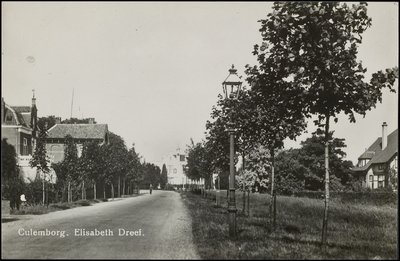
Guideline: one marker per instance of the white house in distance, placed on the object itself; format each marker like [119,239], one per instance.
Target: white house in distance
[175,163]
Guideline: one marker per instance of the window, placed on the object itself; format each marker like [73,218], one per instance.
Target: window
[381,166]
[371,181]
[381,181]
[25,147]
[9,118]
[182,157]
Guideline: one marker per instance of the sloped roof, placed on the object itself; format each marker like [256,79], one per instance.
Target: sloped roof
[27,118]
[15,111]
[25,112]
[367,155]
[78,131]
[381,156]
[22,109]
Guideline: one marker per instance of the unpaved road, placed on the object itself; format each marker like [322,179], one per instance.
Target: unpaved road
[160,225]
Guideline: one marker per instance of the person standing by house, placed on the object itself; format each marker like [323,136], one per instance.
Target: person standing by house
[151,188]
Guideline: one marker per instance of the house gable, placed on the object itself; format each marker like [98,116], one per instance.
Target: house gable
[374,171]
[376,155]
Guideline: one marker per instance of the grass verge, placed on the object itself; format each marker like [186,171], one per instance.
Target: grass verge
[355,231]
[40,209]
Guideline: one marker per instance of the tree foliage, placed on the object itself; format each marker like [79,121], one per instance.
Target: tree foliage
[164,177]
[39,158]
[9,162]
[309,52]
[152,175]
[51,121]
[291,174]
[199,164]
[114,157]
[134,166]
[312,156]
[12,184]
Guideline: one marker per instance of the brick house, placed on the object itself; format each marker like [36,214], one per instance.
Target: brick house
[374,164]
[19,127]
[81,133]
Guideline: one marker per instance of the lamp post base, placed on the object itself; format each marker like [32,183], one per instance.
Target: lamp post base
[232,214]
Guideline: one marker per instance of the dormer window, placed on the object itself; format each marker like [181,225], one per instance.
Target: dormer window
[362,162]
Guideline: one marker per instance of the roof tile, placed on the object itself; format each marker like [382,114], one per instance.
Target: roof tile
[78,131]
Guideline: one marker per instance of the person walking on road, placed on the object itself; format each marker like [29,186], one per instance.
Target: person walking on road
[151,188]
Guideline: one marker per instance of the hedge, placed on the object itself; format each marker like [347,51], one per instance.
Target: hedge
[374,197]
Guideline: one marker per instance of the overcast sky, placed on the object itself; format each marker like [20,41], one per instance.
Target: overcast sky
[153,70]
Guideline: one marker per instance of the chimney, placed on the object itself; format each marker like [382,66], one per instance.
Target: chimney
[91,120]
[58,120]
[384,135]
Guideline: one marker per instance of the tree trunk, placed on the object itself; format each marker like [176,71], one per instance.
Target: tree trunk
[112,190]
[83,189]
[123,189]
[325,220]
[272,211]
[119,187]
[104,190]
[248,202]
[94,190]
[69,192]
[44,194]
[244,188]
[47,193]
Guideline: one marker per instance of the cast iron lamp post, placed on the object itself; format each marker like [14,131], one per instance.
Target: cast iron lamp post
[231,88]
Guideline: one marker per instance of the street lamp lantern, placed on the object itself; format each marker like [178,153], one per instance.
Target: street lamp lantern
[232,84]
[231,88]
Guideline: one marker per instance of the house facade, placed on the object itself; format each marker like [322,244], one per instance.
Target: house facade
[19,127]
[81,133]
[175,164]
[374,165]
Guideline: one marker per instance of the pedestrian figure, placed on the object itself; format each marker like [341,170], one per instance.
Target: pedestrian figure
[151,188]
[23,200]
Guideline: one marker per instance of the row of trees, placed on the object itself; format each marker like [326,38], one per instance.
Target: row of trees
[110,169]
[307,67]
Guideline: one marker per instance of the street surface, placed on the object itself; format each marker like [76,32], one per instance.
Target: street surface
[159,228]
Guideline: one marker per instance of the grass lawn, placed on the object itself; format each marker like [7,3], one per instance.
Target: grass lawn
[355,231]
